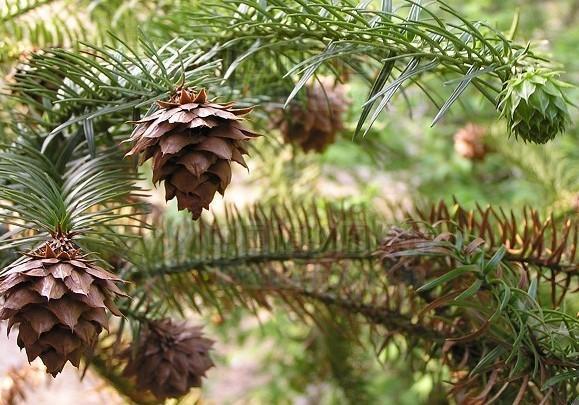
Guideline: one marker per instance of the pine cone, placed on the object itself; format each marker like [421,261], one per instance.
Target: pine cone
[192,142]
[315,125]
[534,104]
[58,299]
[170,358]
[469,142]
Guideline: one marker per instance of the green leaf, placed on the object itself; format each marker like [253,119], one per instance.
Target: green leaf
[471,74]
[532,291]
[412,69]
[306,77]
[386,6]
[492,264]
[80,195]
[470,291]
[488,359]
[559,378]
[451,275]
[89,135]
[378,84]
[526,90]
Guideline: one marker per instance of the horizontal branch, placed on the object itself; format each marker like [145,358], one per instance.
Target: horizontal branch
[317,256]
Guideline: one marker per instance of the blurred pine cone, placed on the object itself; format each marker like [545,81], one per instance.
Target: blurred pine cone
[535,105]
[469,142]
[314,126]
[192,142]
[169,359]
[58,299]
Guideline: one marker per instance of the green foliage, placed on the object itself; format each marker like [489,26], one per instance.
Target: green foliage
[236,258]
[505,295]
[66,191]
[28,25]
[326,37]
[104,86]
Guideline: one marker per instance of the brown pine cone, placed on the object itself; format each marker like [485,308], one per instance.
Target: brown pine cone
[314,126]
[469,142]
[58,298]
[192,142]
[169,359]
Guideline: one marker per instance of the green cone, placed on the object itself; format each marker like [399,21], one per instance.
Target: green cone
[535,106]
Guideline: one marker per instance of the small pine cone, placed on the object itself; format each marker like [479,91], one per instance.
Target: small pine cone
[314,126]
[58,299]
[192,142]
[535,105]
[469,142]
[169,359]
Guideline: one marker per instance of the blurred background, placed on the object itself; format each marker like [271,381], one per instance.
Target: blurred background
[270,358]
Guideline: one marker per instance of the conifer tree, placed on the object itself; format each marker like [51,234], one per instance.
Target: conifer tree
[95,273]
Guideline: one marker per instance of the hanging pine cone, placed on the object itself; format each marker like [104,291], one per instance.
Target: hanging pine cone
[169,359]
[58,299]
[469,142]
[535,106]
[314,126]
[192,142]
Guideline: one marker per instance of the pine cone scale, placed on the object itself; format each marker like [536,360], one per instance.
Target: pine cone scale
[21,298]
[10,281]
[218,146]
[80,283]
[41,320]
[174,144]
[49,287]
[197,163]
[20,268]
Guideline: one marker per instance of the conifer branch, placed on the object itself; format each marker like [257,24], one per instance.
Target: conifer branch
[486,305]
[550,243]
[301,40]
